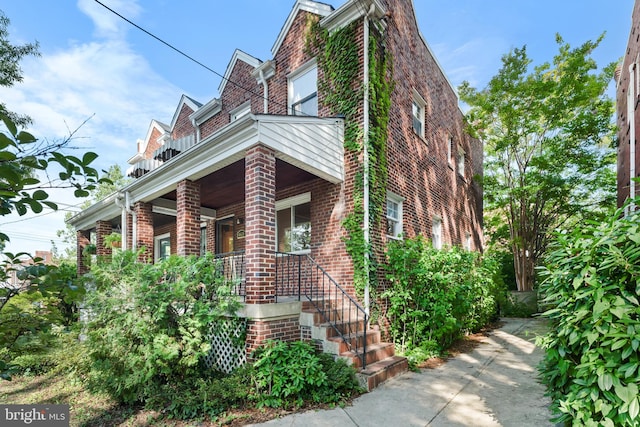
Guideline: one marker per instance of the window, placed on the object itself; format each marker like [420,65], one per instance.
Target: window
[394,216]
[203,240]
[241,111]
[449,152]
[303,91]
[436,233]
[467,241]
[461,163]
[293,224]
[417,113]
[162,247]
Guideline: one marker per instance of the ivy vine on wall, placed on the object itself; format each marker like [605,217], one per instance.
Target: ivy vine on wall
[342,88]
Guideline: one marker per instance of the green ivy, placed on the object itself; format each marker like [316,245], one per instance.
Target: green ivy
[342,91]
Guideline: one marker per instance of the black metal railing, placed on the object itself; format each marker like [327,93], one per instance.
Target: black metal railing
[231,267]
[299,275]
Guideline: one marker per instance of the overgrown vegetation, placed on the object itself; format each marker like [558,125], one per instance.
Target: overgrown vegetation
[287,374]
[592,283]
[437,295]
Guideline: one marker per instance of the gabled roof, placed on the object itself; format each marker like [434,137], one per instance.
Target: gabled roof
[238,55]
[184,100]
[314,7]
[142,143]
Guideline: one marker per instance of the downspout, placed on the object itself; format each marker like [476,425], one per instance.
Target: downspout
[265,92]
[366,219]
[631,103]
[134,220]
[123,220]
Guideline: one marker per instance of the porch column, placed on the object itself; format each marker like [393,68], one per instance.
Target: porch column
[211,236]
[260,225]
[144,230]
[82,240]
[188,218]
[103,229]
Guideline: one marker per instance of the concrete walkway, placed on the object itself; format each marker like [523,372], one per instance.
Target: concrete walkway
[494,385]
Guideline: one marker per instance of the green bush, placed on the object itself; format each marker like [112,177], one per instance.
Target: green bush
[149,323]
[437,295]
[288,374]
[592,283]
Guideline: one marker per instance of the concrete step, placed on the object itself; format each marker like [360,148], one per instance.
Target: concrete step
[376,373]
[337,345]
[374,353]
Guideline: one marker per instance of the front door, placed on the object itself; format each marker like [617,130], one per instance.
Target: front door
[224,236]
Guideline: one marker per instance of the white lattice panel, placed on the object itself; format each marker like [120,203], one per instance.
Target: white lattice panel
[227,352]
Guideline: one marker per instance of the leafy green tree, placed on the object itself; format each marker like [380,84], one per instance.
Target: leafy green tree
[547,133]
[10,71]
[28,169]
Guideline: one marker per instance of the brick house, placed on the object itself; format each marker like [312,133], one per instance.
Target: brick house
[628,112]
[261,176]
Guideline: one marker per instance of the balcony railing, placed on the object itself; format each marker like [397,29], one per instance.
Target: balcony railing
[230,266]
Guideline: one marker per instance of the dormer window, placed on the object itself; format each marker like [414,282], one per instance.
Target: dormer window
[303,91]
[241,111]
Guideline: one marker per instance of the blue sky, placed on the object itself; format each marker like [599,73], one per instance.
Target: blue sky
[94,65]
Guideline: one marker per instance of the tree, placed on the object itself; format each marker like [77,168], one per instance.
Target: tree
[114,180]
[10,71]
[28,168]
[547,135]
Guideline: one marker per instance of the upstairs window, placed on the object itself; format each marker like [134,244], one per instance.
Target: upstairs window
[394,216]
[241,111]
[303,91]
[450,152]
[436,233]
[461,163]
[417,114]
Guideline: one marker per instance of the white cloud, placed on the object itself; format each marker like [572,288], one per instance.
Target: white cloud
[101,79]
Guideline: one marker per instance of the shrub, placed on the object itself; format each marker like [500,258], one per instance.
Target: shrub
[436,295]
[289,373]
[591,282]
[149,322]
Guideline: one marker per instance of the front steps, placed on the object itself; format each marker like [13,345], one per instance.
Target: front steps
[381,361]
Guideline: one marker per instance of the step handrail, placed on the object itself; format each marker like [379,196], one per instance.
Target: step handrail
[326,295]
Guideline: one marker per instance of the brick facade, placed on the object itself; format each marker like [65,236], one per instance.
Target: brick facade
[629,67]
[188,218]
[103,229]
[260,211]
[144,230]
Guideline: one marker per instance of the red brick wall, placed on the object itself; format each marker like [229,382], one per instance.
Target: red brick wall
[103,228]
[183,126]
[188,218]
[173,235]
[153,143]
[624,146]
[260,225]
[144,230]
[82,240]
[282,330]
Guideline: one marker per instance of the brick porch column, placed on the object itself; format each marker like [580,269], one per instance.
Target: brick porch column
[211,236]
[188,218]
[82,240]
[103,228]
[144,230]
[260,225]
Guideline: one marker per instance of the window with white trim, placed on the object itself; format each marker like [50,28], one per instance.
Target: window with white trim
[436,233]
[417,113]
[161,247]
[467,241]
[240,112]
[450,152]
[461,163]
[394,216]
[203,239]
[303,91]
[293,224]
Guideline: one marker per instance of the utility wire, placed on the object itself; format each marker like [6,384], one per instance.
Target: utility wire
[191,58]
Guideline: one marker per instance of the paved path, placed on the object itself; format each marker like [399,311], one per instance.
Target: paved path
[494,385]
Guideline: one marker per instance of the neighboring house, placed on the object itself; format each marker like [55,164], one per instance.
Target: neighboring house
[12,280]
[627,97]
[264,169]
